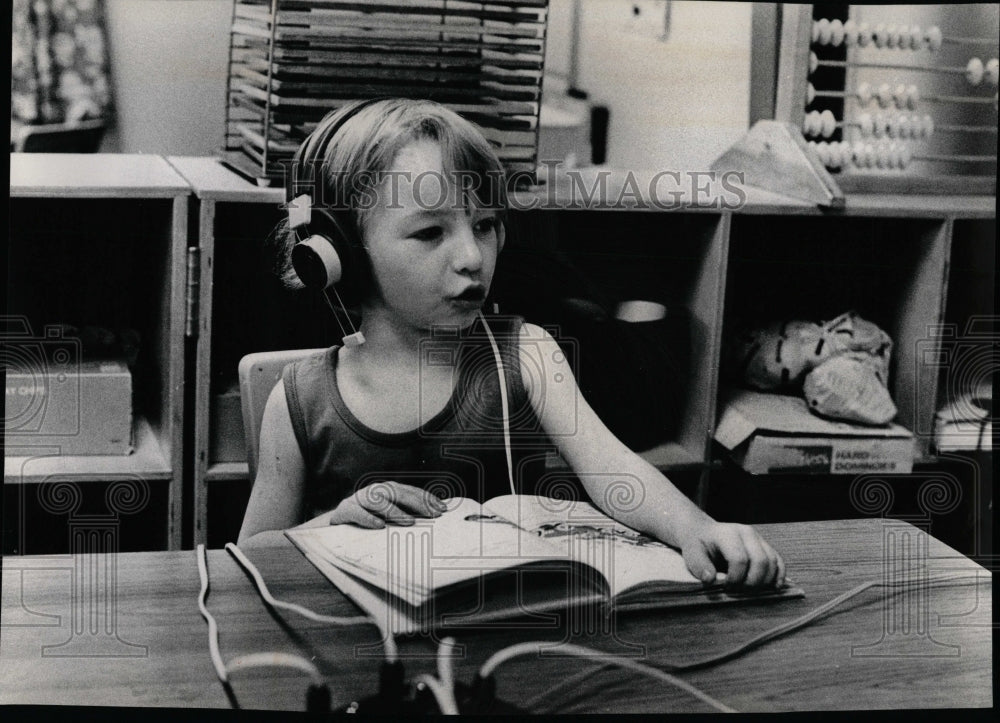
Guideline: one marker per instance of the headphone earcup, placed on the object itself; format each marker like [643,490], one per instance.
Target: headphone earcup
[317,263]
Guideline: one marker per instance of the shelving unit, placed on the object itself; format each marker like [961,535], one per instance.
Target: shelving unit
[100,240]
[242,309]
[887,256]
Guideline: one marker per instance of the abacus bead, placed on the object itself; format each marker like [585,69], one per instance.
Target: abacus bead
[903,127]
[904,158]
[869,155]
[884,95]
[900,96]
[912,97]
[850,33]
[866,124]
[878,125]
[825,33]
[824,153]
[933,37]
[865,93]
[893,160]
[891,36]
[845,153]
[882,156]
[892,126]
[916,37]
[828,123]
[992,71]
[813,63]
[811,124]
[836,33]
[974,71]
[835,158]
[815,32]
[878,34]
[858,154]
[926,126]
[810,93]
[864,35]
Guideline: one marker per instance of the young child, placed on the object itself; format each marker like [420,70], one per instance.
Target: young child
[413,198]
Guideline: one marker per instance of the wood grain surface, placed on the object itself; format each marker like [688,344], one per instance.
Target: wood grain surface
[928,647]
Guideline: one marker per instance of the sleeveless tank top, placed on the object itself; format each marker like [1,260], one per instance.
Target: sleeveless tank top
[458,453]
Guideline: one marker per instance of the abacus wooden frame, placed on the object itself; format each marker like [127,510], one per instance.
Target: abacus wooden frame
[790,78]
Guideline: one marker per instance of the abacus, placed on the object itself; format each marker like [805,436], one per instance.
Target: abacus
[894,98]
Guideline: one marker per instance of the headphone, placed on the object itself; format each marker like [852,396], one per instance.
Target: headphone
[327,249]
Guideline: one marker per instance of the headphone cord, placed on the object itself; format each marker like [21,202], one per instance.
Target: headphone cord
[503,403]
[574,681]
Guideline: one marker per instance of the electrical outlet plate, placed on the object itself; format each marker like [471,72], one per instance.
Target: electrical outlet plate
[647,18]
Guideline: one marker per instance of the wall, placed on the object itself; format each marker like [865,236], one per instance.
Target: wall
[674,104]
[168,66]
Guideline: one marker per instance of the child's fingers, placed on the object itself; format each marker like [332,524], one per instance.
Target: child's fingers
[760,571]
[416,500]
[390,512]
[733,550]
[356,515]
[699,563]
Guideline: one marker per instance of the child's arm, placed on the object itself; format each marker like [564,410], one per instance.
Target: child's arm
[276,498]
[628,488]
[276,502]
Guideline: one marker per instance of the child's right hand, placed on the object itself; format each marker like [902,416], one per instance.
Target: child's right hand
[375,505]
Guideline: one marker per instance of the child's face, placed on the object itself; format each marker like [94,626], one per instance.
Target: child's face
[432,259]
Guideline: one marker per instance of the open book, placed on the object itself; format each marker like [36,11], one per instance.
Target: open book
[515,556]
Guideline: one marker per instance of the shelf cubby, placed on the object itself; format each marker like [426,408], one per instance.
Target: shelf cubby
[100,241]
[890,271]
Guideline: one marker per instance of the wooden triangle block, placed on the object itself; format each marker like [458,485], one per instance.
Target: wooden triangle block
[774,156]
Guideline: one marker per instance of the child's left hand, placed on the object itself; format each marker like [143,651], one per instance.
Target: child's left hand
[744,555]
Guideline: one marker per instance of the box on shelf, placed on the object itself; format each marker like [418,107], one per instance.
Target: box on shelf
[83,408]
[777,434]
[226,443]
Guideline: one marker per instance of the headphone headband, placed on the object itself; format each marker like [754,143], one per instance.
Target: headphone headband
[323,254]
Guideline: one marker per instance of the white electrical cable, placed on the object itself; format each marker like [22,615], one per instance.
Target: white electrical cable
[213,630]
[391,651]
[753,642]
[445,698]
[255,660]
[275,660]
[503,403]
[445,666]
[580,651]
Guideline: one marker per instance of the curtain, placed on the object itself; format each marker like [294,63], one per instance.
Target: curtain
[59,62]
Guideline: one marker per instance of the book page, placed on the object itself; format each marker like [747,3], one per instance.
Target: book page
[412,562]
[627,558]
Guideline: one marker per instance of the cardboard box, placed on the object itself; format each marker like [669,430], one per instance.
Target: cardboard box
[225,425]
[83,409]
[777,434]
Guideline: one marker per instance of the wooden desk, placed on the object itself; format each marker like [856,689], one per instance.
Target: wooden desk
[849,659]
